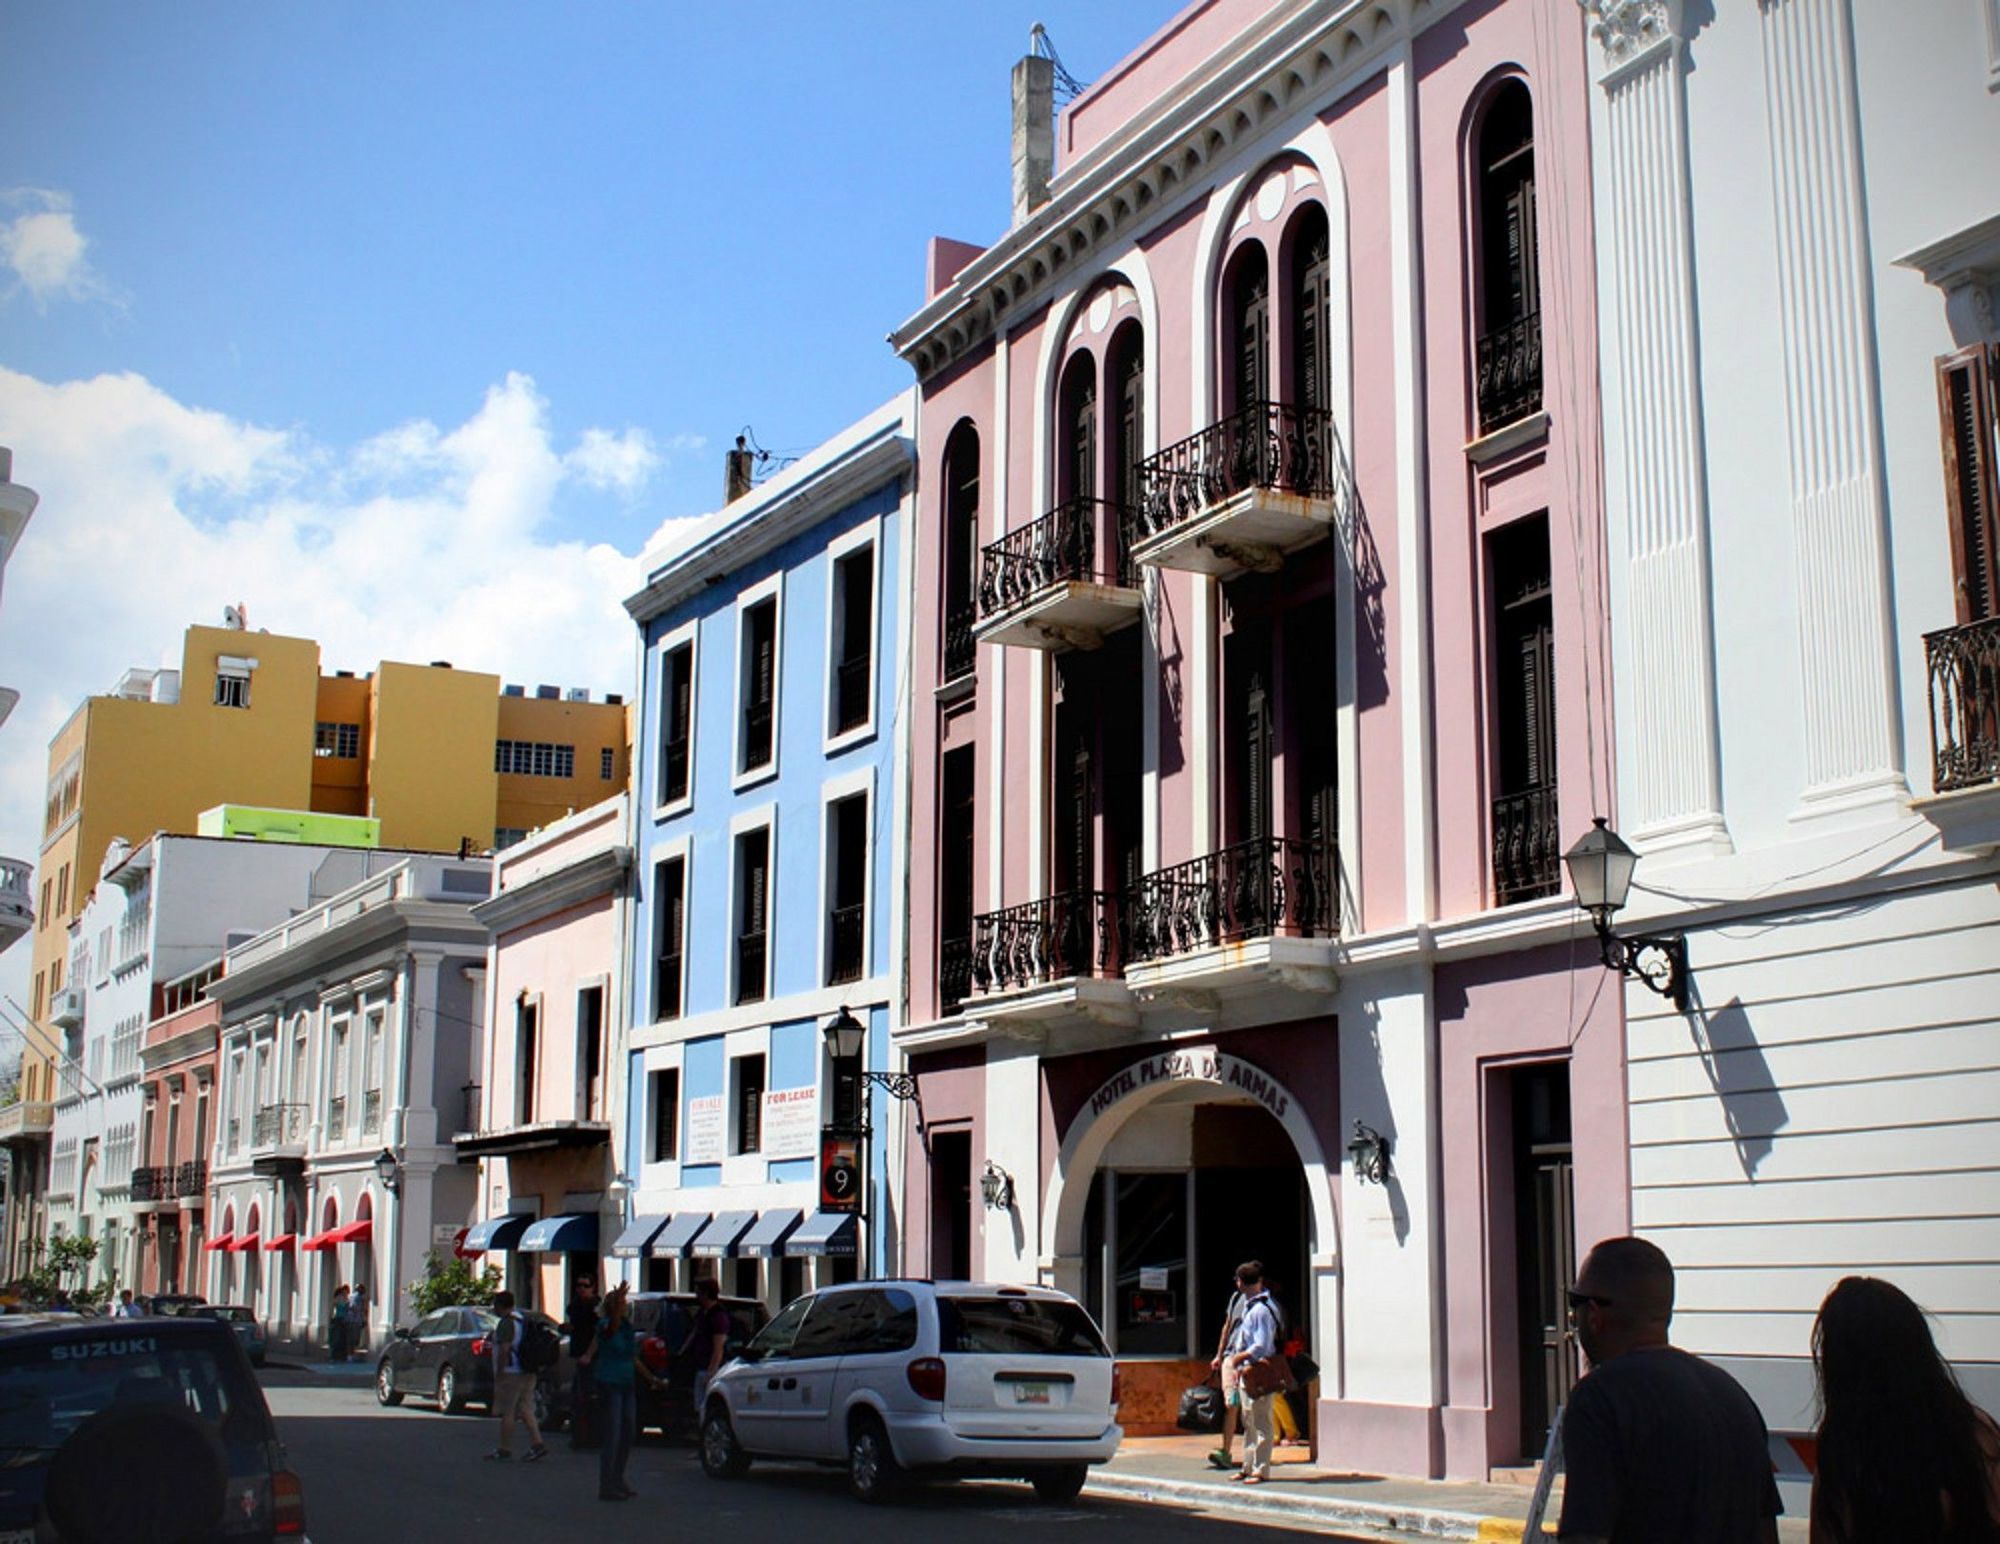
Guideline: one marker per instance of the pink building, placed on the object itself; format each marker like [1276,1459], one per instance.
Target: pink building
[177,1086]
[1259,683]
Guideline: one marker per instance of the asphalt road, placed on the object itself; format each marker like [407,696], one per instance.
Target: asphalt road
[380,1476]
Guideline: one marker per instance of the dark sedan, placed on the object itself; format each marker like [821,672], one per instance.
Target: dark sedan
[663,1320]
[447,1356]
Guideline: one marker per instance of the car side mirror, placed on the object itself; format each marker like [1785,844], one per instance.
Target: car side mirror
[403,1332]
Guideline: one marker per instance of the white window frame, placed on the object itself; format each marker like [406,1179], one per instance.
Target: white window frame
[773,590]
[681,847]
[764,817]
[688,633]
[580,1094]
[733,1092]
[526,1003]
[233,667]
[664,1173]
[832,792]
[742,1168]
[868,535]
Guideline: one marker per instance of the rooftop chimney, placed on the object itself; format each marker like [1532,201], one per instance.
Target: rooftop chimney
[1034,133]
[736,472]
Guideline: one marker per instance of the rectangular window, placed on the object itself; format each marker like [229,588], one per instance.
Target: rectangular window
[590,1053]
[670,925]
[534,758]
[847,905]
[854,638]
[759,687]
[607,763]
[341,741]
[676,721]
[231,690]
[527,1060]
[506,836]
[664,1091]
[955,850]
[1969,399]
[746,1090]
[753,912]
[1527,857]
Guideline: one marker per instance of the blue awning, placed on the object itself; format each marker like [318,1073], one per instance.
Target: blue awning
[673,1240]
[826,1233]
[496,1233]
[718,1240]
[572,1233]
[637,1235]
[768,1237]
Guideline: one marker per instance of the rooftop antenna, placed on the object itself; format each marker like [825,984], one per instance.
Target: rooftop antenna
[1068,87]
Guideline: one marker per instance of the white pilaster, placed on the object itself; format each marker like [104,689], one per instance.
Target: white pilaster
[996,698]
[1012,1133]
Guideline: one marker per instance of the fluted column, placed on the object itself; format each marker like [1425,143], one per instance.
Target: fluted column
[1672,796]
[1833,420]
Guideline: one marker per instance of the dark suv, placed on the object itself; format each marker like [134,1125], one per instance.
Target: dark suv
[117,1429]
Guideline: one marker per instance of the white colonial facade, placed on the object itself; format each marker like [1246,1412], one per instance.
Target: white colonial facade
[1798,225]
[349,1032]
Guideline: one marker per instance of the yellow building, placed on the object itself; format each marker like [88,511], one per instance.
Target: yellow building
[443,758]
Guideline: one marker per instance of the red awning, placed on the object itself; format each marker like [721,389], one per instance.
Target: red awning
[349,1233]
[282,1241]
[226,1241]
[243,1243]
[317,1241]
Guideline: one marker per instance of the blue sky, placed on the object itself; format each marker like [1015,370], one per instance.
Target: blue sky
[410,326]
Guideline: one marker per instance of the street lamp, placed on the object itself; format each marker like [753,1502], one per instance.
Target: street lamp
[388,1171]
[844,1036]
[1600,872]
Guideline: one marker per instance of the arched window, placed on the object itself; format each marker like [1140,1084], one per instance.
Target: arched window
[1247,364]
[1508,288]
[1076,463]
[1310,371]
[961,547]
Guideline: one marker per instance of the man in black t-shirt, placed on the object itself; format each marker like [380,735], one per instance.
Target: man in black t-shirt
[580,1323]
[1658,1446]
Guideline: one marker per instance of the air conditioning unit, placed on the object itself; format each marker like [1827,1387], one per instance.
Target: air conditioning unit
[66,1010]
[577,694]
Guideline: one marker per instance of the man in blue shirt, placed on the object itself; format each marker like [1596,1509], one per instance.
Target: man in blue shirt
[1255,1340]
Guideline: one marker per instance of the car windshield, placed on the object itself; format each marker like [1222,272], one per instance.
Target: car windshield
[1016,1326]
[233,1315]
[48,1388]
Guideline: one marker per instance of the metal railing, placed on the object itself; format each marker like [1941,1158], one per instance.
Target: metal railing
[1060,547]
[757,722]
[751,958]
[954,973]
[674,771]
[1509,379]
[845,954]
[1265,445]
[371,1111]
[1079,933]
[850,693]
[278,1123]
[191,1182]
[1252,889]
[960,647]
[151,1184]
[336,1118]
[1527,847]
[1964,668]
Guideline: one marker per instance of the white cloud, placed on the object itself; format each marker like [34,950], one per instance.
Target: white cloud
[47,253]
[423,542]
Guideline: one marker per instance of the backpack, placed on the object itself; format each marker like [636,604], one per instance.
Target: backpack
[538,1345]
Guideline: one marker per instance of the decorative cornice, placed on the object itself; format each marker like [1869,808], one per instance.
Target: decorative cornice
[600,874]
[1625,29]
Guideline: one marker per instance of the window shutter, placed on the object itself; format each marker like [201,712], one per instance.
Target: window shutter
[1313,299]
[1971,423]
[1257,761]
[1538,716]
[1084,427]
[1254,353]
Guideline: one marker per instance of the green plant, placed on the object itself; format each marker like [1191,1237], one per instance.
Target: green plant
[59,1265]
[452,1282]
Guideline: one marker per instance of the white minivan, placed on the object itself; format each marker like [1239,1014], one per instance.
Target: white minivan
[892,1378]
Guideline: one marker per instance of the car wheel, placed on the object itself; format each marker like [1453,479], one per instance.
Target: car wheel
[451,1399]
[1061,1483]
[722,1456]
[386,1391]
[872,1471]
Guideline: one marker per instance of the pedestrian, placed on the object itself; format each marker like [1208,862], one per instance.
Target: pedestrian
[1658,1445]
[708,1342]
[581,1322]
[613,1355]
[513,1385]
[126,1309]
[357,1323]
[336,1328]
[1903,1454]
[1255,1340]
[1224,1366]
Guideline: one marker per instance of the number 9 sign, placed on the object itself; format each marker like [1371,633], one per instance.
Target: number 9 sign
[840,1172]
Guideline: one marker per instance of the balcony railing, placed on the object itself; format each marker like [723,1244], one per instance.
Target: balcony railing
[1510,373]
[751,958]
[151,1184]
[233,1138]
[1053,939]
[371,1112]
[756,736]
[1252,889]
[336,1118]
[1527,851]
[960,647]
[845,954]
[1265,445]
[954,973]
[1061,547]
[277,1124]
[851,679]
[1964,667]
[191,1183]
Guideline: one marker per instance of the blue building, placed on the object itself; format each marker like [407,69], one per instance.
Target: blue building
[768,831]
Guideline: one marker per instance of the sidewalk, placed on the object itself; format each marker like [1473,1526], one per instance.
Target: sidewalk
[308,1357]
[1175,1470]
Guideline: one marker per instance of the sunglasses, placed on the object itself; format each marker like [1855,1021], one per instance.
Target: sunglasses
[1578,1299]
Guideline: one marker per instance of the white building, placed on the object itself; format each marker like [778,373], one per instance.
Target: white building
[349,1032]
[1798,223]
[157,912]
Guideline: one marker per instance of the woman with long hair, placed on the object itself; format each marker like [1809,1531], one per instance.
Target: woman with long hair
[1904,1456]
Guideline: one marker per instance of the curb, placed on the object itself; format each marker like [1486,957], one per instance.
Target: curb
[1379,1517]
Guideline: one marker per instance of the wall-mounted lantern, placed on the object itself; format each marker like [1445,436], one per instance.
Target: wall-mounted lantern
[1600,872]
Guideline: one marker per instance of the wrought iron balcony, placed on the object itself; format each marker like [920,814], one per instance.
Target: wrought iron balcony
[371,1112]
[191,1183]
[960,647]
[752,956]
[757,722]
[279,1125]
[1081,933]
[151,1184]
[1042,585]
[845,952]
[1964,668]
[851,680]
[336,1118]
[1527,850]
[1242,493]
[954,973]
[1510,373]
[1264,886]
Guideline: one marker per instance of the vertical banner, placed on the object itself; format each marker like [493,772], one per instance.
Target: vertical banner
[843,1177]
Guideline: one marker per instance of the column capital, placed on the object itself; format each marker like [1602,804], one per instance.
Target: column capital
[1628,30]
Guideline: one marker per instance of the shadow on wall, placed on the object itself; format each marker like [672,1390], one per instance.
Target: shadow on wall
[1173,705]
[1741,1078]
[1357,539]
[1366,1097]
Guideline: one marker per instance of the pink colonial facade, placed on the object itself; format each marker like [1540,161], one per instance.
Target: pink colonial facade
[1259,682]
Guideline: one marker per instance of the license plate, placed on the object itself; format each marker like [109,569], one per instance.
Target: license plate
[1031,1393]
